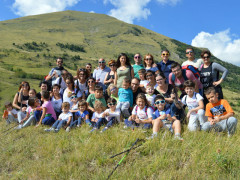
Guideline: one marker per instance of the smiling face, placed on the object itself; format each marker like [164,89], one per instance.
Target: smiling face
[190,54]
[141,103]
[32,93]
[125,85]
[160,104]
[189,91]
[43,87]
[161,81]
[56,89]
[150,77]
[149,61]
[98,94]
[150,90]
[82,108]
[134,85]
[165,55]
[206,58]
[59,62]
[123,60]
[137,59]
[177,71]
[102,63]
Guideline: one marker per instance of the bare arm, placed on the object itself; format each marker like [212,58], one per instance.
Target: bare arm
[42,117]
[15,101]
[116,77]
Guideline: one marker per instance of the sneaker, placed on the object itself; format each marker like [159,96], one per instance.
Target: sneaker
[49,130]
[152,136]
[125,127]
[68,129]
[18,127]
[93,130]
[78,125]
[90,124]
[104,129]
[178,138]
[56,130]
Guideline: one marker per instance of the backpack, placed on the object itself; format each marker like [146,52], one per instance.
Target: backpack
[145,109]
[194,70]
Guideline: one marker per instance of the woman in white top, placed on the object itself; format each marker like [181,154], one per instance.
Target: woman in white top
[56,99]
[81,82]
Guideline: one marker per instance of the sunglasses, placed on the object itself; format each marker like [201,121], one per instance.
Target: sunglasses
[91,81]
[112,65]
[68,83]
[82,69]
[101,62]
[205,57]
[72,97]
[148,59]
[159,80]
[111,104]
[165,54]
[148,76]
[82,74]
[137,57]
[113,89]
[188,52]
[160,102]
[24,85]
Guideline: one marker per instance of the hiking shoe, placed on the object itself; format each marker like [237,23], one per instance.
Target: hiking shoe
[104,129]
[93,130]
[49,130]
[56,130]
[18,127]
[68,129]
[151,137]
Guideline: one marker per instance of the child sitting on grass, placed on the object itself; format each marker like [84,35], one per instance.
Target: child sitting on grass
[82,115]
[10,114]
[97,118]
[194,102]
[48,116]
[125,95]
[163,119]
[64,118]
[98,95]
[34,104]
[141,113]
[112,115]
[219,113]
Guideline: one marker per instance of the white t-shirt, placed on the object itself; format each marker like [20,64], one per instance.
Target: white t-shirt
[57,104]
[97,116]
[144,82]
[141,113]
[62,84]
[192,102]
[68,99]
[196,63]
[65,117]
[74,107]
[82,87]
[115,114]
[151,98]
[13,111]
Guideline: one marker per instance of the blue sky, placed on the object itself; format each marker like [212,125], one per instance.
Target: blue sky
[213,24]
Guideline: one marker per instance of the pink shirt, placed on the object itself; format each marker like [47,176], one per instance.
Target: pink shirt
[49,109]
[179,82]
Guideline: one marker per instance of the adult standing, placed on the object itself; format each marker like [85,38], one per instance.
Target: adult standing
[138,64]
[209,74]
[109,78]
[21,99]
[149,63]
[88,66]
[81,82]
[100,72]
[124,69]
[55,72]
[190,54]
[165,64]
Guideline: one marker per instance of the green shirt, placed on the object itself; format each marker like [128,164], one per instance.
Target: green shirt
[91,100]
[136,68]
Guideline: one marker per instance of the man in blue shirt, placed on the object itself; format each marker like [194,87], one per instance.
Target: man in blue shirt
[165,64]
[100,72]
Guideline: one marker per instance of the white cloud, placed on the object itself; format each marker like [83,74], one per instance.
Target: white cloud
[92,12]
[129,10]
[170,2]
[33,7]
[221,44]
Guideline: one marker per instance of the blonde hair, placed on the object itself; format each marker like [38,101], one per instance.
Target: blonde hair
[110,87]
[65,105]
[99,104]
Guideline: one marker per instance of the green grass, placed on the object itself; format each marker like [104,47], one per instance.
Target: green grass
[34,154]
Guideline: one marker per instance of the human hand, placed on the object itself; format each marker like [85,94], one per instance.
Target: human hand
[217,83]
[37,125]
[138,121]
[24,109]
[212,122]
[217,119]
[188,114]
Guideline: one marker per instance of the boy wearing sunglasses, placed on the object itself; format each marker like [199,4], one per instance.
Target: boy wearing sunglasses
[163,119]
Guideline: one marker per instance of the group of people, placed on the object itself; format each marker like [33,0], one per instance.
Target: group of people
[141,95]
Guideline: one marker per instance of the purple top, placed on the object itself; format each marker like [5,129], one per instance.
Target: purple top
[49,109]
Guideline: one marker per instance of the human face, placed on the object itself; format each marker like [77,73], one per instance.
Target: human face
[99,110]
[56,89]
[101,63]
[137,59]
[91,83]
[150,77]
[37,102]
[112,105]
[134,85]
[9,108]
[89,68]
[160,104]
[123,60]
[59,62]
[190,54]
[141,103]
[82,108]
[74,98]
[125,85]
[65,109]
[25,87]
[98,94]
[32,93]
[114,90]
[189,91]
[148,60]
[141,76]
[43,87]
[81,75]
[113,66]
[68,83]
[212,97]
[165,55]
[150,90]
[161,81]
[177,71]
[206,58]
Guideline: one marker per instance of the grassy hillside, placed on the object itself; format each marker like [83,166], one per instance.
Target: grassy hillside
[28,49]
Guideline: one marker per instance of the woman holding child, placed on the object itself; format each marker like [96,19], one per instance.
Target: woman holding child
[124,69]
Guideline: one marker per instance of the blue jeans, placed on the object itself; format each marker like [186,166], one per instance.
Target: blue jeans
[79,122]
[100,122]
[59,124]
[37,115]
[49,120]
[228,125]
[133,124]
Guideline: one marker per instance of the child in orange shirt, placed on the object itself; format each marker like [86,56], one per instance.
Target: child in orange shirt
[219,113]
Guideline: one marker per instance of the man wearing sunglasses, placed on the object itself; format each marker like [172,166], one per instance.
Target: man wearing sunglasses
[138,64]
[100,72]
[165,64]
[191,59]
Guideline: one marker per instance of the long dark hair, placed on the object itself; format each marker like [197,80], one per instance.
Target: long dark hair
[127,60]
